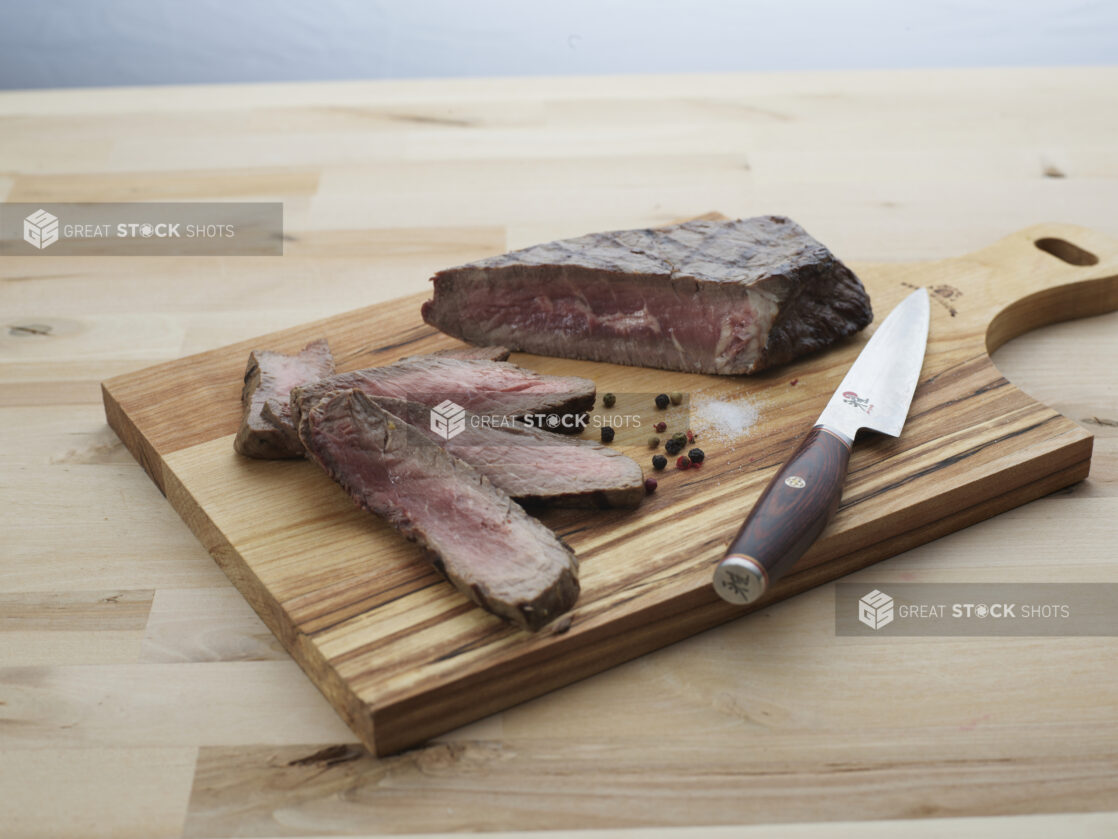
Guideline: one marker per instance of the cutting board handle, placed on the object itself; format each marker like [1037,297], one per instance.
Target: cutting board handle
[1041,275]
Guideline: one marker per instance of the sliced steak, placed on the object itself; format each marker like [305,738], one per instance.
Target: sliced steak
[469,353]
[491,388]
[485,544]
[266,428]
[535,466]
[705,296]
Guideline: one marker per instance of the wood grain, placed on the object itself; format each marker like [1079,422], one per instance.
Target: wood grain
[404,657]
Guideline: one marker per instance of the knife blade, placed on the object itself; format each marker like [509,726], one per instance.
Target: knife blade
[802,497]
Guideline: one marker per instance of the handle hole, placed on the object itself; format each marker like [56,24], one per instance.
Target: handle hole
[1066,251]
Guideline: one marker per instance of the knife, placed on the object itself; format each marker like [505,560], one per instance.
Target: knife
[802,498]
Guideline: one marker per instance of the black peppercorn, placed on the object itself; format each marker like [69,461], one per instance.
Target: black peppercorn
[607,433]
[659,462]
[696,455]
[662,401]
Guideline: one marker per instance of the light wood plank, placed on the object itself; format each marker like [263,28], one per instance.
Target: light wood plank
[103,627]
[236,704]
[636,784]
[192,625]
[1087,825]
[82,792]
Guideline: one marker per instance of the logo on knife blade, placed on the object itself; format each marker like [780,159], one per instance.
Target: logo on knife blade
[855,401]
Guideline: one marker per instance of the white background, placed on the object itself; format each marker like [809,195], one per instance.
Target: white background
[52,43]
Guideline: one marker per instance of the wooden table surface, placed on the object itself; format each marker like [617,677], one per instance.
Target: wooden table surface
[140,695]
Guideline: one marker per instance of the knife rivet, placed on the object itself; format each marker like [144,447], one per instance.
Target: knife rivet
[795,481]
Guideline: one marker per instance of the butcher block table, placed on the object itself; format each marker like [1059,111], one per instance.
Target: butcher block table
[140,695]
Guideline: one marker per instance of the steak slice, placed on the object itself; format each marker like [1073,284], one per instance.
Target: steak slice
[535,466]
[486,545]
[491,388]
[266,428]
[705,296]
[468,353]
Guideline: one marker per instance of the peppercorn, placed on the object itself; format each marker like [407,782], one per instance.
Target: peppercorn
[607,433]
[661,427]
[676,397]
[609,400]
[654,442]
[659,462]
[673,446]
[683,462]
[650,485]
[697,455]
[690,436]
[662,401]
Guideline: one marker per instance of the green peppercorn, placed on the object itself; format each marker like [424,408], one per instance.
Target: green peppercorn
[607,433]
[676,397]
[654,442]
[609,400]
[697,455]
[659,462]
[662,401]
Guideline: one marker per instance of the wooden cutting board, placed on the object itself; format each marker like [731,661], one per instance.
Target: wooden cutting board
[403,656]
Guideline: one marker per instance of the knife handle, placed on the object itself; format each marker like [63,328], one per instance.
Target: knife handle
[787,518]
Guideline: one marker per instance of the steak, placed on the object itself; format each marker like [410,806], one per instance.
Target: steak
[724,297]
[534,466]
[491,388]
[479,538]
[266,428]
[469,353]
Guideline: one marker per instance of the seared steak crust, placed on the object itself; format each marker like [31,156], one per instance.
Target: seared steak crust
[266,428]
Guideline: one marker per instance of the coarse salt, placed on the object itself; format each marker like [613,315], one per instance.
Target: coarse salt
[724,420]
